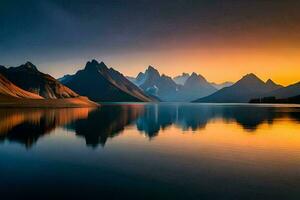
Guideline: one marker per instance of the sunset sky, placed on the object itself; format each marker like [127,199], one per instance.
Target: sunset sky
[222,40]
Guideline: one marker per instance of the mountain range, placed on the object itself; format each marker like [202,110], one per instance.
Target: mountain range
[194,87]
[26,86]
[181,79]
[285,92]
[250,86]
[183,88]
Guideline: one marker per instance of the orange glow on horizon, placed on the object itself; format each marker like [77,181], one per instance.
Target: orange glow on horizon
[220,65]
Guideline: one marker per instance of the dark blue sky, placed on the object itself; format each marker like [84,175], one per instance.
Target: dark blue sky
[60,36]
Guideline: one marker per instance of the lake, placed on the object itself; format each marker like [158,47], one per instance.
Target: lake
[151,151]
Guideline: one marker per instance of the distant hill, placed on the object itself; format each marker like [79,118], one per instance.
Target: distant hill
[222,85]
[295,99]
[100,83]
[196,86]
[249,87]
[288,94]
[30,79]
[285,92]
[65,78]
[180,80]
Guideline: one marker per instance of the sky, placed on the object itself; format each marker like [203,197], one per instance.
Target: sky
[222,40]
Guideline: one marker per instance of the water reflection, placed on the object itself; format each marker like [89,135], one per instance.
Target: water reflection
[195,117]
[26,126]
[105,123]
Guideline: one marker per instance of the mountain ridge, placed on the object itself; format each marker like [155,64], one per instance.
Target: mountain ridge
[247,88]
[29,78]
[165,87]
[101,83]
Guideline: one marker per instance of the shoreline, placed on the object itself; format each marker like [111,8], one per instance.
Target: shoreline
[77,102]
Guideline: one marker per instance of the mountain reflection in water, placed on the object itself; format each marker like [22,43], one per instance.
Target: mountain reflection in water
[26,126]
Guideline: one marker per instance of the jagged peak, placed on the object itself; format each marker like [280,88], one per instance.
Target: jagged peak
[140,74]
[250,76]
[30,65]
[151,70]
[95,65]
[270,82]
[194,74]
[92,62]
[27,66]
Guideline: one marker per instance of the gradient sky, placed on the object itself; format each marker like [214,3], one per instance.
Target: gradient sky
[222,40]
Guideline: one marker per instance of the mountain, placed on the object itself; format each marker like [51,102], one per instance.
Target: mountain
[158,85]
[222,85]
[187,88]
[9,90]
[100,83]
[65,78]
[250,86]
[30,79]
[140,78]
[285,92]
[196,86]
[180,80]
[271,86]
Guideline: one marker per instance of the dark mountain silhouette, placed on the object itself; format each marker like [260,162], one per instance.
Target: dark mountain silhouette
[222,85]
[65,78]
[250,86]
[180,80]
[196,86]
[100,83]
[30,79]
[271,86]
[285,92]
[9,90]
[288,94]
[295,99]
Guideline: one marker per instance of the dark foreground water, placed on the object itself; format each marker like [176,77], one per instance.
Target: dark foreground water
[166,151]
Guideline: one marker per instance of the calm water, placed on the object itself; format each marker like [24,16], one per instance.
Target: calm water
[148,151]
